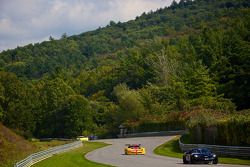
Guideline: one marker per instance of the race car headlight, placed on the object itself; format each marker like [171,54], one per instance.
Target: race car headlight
[214,155]
[196,156]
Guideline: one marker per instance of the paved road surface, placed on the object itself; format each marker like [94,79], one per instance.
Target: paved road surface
[114,154]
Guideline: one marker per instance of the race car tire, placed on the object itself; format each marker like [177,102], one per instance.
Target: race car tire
[215,161]
[184,160]
[191,160]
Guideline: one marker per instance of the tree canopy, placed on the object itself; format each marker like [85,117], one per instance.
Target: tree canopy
[188,55]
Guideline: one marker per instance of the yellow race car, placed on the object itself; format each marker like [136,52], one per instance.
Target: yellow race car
[134,149]
[82,138]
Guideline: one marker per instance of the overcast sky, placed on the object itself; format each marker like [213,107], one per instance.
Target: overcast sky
[29,21]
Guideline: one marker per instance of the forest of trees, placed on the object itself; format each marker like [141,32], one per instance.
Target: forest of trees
[152,73]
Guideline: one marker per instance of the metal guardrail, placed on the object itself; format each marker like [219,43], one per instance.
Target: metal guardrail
[39,156]
[160,133]
[218,149]
[60,139]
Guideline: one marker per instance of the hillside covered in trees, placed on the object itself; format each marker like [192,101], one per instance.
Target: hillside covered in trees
[189,60]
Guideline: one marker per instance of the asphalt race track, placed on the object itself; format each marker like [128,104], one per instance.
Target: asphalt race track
[114,154]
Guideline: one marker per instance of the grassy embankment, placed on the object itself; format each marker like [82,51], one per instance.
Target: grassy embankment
[74,158]
[14,148]
[171,149]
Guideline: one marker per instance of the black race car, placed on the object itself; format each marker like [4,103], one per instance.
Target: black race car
[200,155]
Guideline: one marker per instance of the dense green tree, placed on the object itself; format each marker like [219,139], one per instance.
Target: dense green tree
[73,118]
[200,84]
[193,54]
[64,36]
[16,103]
[1,101]
[53,94]
[129,102]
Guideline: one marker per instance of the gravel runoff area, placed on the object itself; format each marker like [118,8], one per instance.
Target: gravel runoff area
[114,154]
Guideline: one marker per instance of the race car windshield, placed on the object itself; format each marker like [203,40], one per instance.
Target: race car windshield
[134,147]
[204,151]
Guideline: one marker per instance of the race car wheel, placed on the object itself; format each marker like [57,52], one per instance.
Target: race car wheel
[191,160]
[184,160]
[215,161]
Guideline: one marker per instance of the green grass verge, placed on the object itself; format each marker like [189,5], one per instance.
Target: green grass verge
[171,149]
[239,161]
[73,158]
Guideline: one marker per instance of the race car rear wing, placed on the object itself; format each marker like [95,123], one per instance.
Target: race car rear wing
[135,145]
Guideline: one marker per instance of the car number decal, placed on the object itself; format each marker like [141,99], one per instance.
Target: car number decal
[188,157]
